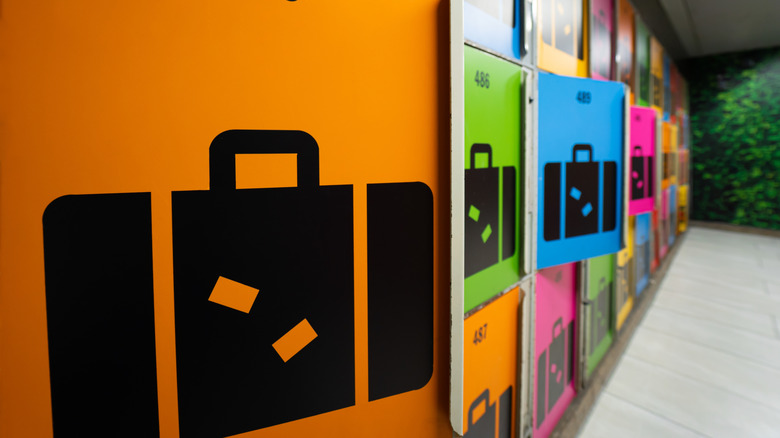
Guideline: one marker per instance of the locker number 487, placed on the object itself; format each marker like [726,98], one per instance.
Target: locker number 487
[480,334]
[482,79]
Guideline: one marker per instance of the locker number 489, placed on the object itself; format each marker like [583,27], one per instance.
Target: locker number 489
[583,97]
[482,79]
[480,334]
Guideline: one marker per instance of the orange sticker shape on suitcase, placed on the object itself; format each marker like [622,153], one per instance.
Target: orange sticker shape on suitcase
[295,340]
[233,294]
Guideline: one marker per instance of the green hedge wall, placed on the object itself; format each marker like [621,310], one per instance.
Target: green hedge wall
[735,127]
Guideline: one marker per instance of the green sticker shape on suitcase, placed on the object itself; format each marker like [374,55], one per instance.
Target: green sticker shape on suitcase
[599,326]
[493,92]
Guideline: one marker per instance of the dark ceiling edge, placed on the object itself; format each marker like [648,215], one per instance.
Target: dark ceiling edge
[654,16]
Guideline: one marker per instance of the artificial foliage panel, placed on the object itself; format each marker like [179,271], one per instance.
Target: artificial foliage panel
[580,168]
[735,138]
[492,176]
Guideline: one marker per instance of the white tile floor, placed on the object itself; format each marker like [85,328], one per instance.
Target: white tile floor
[705,361]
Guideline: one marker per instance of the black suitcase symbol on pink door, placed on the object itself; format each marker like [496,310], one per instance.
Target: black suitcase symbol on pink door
[582,210]
[641,175]
[553,376]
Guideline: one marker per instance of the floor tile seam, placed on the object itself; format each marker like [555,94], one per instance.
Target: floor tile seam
[741,256]
[724,325]
[712,384]
[746,306]
[762,273]
[722,350]
[700,274]
[699,267]
[720,299]
[710,347]
[717,248]
[712,255]
[776,325]
[707,301]
[659,415]
[704,259]
[726,301]
[727,286]
[672,289]
[767,283]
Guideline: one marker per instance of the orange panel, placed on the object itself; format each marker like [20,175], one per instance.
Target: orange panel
[490,367]
[116,97]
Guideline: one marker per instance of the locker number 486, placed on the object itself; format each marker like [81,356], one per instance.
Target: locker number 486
[482,79]
[480,334]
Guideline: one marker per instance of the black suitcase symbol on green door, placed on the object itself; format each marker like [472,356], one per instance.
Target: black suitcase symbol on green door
[482,231]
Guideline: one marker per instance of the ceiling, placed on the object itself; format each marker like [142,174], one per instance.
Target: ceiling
[692,28]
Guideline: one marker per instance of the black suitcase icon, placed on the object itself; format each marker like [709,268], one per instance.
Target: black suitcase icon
[599,316]
[553,376]
[482,231]
[621,291]
[294,246]
[641,175]
[582,196]
[564,25]
[601,46]
[485,426]
[642,260]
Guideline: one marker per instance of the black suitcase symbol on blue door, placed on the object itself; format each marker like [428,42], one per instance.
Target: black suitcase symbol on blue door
[292,246]
[482,232]
[582,196]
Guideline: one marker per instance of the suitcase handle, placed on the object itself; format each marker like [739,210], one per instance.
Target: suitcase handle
[640,151]
[582,147]
[481,148]
[484,397]
[558,323]
[228,144]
